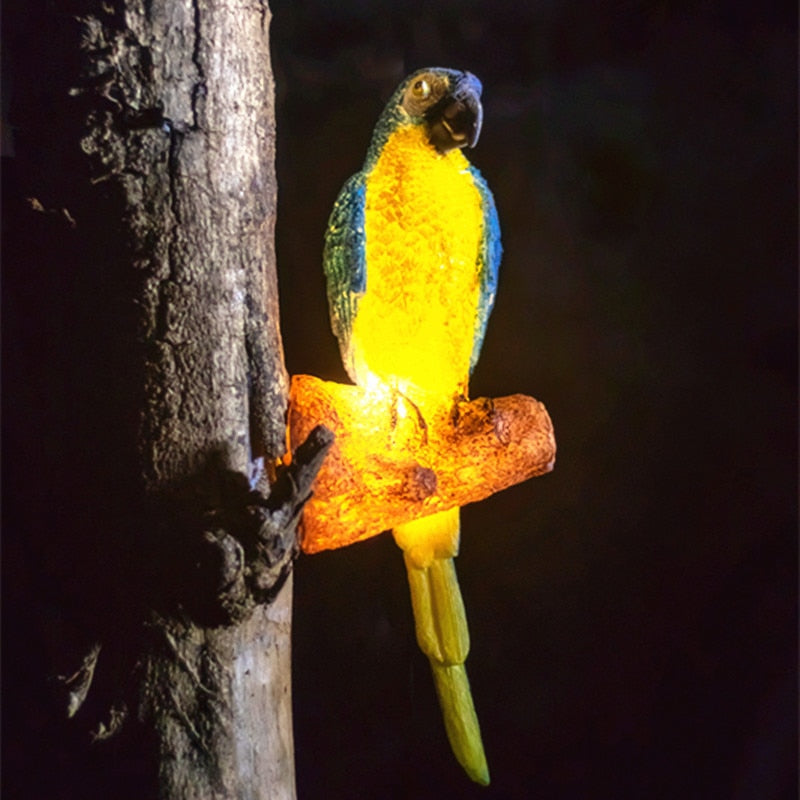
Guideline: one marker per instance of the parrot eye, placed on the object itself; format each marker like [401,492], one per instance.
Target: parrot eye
[421,89]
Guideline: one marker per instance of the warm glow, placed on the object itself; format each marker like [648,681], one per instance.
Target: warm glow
[424,221]
[386,467]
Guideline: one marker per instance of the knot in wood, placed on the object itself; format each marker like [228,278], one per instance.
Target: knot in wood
[422,482]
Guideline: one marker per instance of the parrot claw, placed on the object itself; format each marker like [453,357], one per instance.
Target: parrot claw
[421,423]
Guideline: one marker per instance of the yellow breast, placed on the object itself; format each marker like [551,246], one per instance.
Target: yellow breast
[414,327]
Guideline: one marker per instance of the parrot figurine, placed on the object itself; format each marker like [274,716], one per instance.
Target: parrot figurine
[411,258]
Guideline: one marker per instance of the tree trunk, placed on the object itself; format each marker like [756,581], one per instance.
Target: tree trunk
[149,386]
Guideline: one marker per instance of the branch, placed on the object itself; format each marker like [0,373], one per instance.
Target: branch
[251,541]
[277,541]
[388,465]
[79,683]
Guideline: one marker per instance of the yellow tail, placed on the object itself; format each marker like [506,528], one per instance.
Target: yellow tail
[429,546]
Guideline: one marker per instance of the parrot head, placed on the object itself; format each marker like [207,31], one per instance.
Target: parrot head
[446,101]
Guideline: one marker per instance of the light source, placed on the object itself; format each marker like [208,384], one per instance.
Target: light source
[387,467]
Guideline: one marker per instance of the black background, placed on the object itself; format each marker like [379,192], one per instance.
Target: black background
[633,614]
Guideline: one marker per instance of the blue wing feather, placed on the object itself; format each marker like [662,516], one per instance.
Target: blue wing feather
[344,262]
[488,264]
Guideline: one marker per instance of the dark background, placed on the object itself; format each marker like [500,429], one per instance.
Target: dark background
[633,614]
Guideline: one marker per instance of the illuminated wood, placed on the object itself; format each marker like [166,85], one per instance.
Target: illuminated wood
[388,465]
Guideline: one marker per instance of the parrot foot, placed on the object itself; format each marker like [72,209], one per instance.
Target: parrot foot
[421,423]
[487,403]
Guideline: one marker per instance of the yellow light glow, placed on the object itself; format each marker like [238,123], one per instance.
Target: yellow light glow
[414,327]
[386,468]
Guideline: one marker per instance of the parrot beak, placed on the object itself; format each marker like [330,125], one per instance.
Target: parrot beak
[455,121]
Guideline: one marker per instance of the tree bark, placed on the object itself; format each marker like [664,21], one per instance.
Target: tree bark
[142,202]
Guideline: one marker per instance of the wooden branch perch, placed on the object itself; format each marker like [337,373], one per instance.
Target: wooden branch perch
[387,465]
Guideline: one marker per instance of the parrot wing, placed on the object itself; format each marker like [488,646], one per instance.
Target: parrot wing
[488,264]
[344,261]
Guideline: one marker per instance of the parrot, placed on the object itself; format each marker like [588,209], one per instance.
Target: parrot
[411,257]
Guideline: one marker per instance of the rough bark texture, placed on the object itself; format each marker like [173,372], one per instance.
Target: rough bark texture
[143,205]
[188,135]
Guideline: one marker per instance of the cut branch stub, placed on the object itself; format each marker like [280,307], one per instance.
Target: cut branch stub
[246,546]
[388,466]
